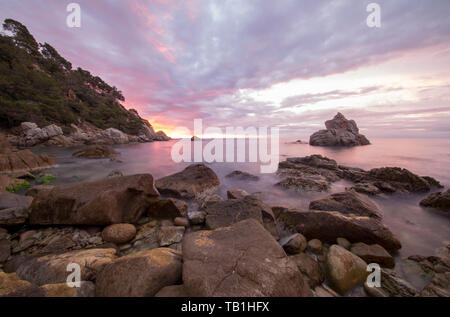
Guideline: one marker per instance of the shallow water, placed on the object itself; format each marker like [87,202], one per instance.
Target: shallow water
[421,231]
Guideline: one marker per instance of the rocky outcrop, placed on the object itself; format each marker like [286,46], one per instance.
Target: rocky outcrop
[243,176]
[140,275]
[236,194]
[243,260]
[169,208]
[52,268]
[24,160]
[339,132]
[439,201]
[373,254]
[311,270]
[14,209]
[348,202]
[194,181]
[344,269]
[391,286]
[33,135]
[161,136]
[103,202]
[225,213]
[327,226]
[96,152]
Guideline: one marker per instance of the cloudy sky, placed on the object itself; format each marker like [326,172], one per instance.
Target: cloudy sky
[286,63]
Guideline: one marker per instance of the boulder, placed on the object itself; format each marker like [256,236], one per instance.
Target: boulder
[294,244]
[24,160]
[169,208]
[52,268]
[391,286]
[344,269]
[396,179]
[327,226]
[344,243]
[172,291]
[96,152]
[5,250]
[373,254]
[311,270]
[196,217]
[225,213]
[103,202]
[170,235]
[119,233]
[12,286]
[181,221]
[315,246]
[194,181]
[113,136]
[325,291]
[34,135]
[236,193]
[299,184]
[439,201]
[14,209]
[339,132]
[242,260]
[243,176]
[348,202]
[140,275]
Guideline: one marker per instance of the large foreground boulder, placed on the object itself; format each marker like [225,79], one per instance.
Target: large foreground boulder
[194,181]
[339,132]
[52,268]
[103,202]
[327,226]
[344,269]
[140,275]
[24,160]
[373,254]
[225,213]
[242,260]
[348,202]
[439,201]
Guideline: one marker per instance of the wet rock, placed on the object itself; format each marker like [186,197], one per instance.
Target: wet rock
[339,132]
[439,201]
[373,254]
[242,260]
[344,243]
[119,233]
[24,160]
[311,270]
[243,176]
[193,182]
[315,246]
[169,208]
[103,202]
[170,235]
[33,192]
[236,193]
[52,268]
[86,289]
[366,188]
[391,286]
[209,199]
[140,275]
[115,173]
[225,213]
[181,221]
[14,209]
[344,269]
[324,291]
[294,244]
[96,152]
[172,291]
[327,226]
[304,184]
[348,202]
[196,217]
[12,286]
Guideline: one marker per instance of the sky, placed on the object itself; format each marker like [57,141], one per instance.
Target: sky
[290,64]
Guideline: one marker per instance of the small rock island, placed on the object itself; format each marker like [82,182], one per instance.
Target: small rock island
[339,132]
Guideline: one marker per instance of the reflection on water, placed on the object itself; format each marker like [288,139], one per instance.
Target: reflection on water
[420,231]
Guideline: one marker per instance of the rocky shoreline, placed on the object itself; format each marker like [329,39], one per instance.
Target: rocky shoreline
[175,237]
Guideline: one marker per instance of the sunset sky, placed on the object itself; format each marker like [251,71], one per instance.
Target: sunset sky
[286,63]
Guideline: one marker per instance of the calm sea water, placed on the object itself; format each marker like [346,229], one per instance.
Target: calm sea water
[421,231]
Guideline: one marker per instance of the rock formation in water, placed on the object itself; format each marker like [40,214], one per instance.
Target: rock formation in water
[339,132]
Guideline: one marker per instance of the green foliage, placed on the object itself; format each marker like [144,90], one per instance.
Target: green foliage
[46,179]
[18,187]
[41,87]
